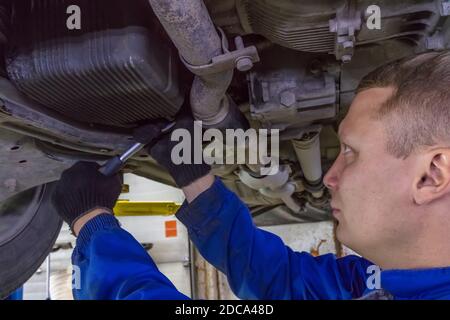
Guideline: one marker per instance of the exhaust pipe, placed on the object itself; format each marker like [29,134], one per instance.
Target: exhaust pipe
[189,25]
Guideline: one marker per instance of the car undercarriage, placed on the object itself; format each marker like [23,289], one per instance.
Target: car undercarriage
[76,93]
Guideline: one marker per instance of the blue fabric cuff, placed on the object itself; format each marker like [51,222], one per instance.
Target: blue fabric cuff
[205,206]
[103,221]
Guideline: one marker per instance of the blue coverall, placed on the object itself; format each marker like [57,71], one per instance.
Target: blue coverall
[113,265]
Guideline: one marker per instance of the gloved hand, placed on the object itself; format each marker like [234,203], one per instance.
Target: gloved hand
[161,150]
[82,189]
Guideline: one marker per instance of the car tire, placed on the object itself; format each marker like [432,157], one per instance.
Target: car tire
[29,227]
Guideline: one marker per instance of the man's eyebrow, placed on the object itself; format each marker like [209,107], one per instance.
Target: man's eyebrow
[343,136]
[342,133]
[339,133]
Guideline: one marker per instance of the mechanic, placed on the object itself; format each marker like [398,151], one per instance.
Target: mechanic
[390,188]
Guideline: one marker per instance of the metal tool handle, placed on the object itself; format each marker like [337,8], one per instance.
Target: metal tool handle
[111,167]
[114,165]
[131,152]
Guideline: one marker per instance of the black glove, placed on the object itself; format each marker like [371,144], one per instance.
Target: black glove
[82,189]
[150,133]
[160,149]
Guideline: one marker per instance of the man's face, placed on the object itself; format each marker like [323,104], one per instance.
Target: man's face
[370,188]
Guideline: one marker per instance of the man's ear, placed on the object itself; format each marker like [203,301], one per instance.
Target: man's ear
[433,181]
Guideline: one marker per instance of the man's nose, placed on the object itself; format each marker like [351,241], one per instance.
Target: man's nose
[331,178]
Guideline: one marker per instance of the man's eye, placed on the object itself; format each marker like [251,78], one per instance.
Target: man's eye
[346,149]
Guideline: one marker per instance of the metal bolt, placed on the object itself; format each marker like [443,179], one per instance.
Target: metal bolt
[346,58]
[287,98]
[244,64]
[347,44]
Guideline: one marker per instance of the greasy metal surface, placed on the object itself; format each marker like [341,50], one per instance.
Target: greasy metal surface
[24,115]
[409,21]
[292,91]
[306,27]
[115,71]
[26,163]
[22,166]
[300,27]
[189,25]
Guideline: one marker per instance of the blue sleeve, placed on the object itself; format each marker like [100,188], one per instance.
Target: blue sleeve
[257,263]
[109,264]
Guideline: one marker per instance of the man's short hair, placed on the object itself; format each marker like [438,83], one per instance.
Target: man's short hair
[418,112]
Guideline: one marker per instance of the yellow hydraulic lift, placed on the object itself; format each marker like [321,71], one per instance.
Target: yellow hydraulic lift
[125,208]
[133,208]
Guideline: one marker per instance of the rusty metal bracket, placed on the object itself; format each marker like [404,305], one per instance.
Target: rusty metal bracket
[347,22]
[242,58]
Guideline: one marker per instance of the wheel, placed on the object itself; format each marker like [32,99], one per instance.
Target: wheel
[29,227]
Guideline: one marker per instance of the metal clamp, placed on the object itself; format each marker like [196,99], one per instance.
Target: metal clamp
[242,58]
[345,25]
